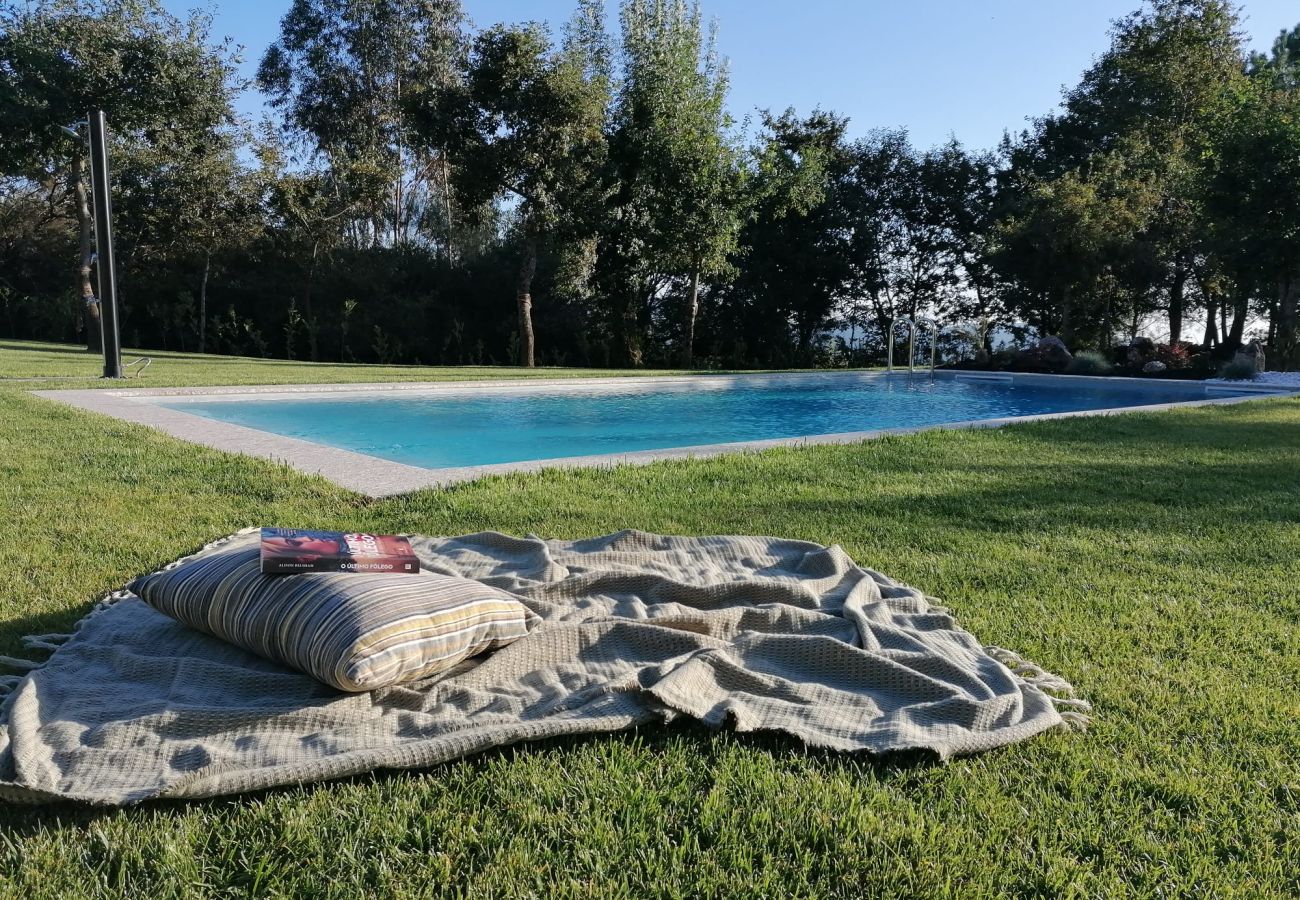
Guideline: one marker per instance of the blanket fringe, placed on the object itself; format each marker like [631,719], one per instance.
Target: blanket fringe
[1072,710]
[55,640]
[8,683]
[46,641]
[1072,720]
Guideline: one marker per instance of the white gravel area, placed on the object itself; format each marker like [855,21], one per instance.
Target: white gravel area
[1279,379]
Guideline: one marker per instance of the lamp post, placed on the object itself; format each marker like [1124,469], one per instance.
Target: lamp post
[99,183]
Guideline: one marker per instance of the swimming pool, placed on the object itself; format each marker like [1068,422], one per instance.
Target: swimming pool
[387,438]
[477,427]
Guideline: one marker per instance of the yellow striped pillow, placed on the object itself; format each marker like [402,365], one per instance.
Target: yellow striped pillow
[354,631]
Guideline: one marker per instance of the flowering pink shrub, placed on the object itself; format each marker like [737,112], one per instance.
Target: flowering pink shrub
[1175,356]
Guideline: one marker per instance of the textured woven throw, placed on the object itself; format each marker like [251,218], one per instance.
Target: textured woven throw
[746,632]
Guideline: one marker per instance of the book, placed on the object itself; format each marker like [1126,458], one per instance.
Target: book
[291,550]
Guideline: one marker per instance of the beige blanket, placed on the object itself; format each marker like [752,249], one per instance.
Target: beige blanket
[742,632]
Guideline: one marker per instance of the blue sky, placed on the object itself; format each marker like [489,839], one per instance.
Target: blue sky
[936,67]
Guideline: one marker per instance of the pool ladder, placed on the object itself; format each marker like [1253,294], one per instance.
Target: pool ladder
[912,325]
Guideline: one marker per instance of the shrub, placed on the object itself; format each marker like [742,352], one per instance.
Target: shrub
[1175,356]
[1004,358]
[1089,362]
[1238,370]
[1118,356]
[1203,365]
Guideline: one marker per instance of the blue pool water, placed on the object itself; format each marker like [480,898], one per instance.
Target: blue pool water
[479,427]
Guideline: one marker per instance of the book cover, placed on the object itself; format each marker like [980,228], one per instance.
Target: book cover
[292,550]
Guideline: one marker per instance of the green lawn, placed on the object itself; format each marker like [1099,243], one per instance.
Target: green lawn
[1151,559]
[72,364]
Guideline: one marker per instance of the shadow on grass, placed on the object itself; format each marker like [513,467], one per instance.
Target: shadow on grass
[75,349]
[705,746]
[1112,473]
[12,631]
[1114,497]
[1234,428]
[220,360]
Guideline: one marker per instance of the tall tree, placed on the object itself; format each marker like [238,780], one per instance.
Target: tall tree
[1282,64]
[796,248]
[696,165]
[185,200]
[152,74]
[968,197]
[674,174]
[1063,238]
[876,238]
[527,123]
[1256,204]
[340,73]
[1162,89]
[920,229]
[305,207]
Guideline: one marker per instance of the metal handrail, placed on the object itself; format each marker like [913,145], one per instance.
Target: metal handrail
[911,345]
[912,325]
[933,327]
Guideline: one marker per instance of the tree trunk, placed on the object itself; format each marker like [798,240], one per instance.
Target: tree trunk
[692,312]
[398,205]
[1288,321]
[308,316]
[85,225]
[446,199]
[524,299]
[1067,316]
[1240,312]
[203,301]
[1211,328]
[1177,289]
[806,330]
[1108,323]
[628,327]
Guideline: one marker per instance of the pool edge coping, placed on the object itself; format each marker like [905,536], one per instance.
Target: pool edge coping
[376,477]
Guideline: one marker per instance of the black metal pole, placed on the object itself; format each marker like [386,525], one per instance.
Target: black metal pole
[104,244]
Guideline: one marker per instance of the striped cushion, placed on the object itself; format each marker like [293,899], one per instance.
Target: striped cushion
[354,631]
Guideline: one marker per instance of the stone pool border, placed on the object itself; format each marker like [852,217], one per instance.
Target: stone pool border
[377,477]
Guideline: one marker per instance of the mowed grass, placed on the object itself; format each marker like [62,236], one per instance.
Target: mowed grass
[72,364]
[1152,559]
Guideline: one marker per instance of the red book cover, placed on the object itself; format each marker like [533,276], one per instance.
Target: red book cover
[291,550]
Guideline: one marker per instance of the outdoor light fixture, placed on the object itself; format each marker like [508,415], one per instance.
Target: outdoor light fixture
[104,244]
[103,258]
